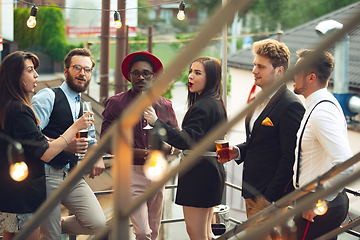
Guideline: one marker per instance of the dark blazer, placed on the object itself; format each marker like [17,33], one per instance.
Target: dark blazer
[269,151]
[202,185]
[25,196]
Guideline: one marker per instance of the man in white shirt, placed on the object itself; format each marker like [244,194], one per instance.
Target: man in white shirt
[323,143]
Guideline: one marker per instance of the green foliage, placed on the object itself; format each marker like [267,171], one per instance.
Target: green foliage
[134,47]
[167,94]
[210,5]
[143,14]
[185,36]
[291,13]
[182,25]
[49,32]
[25,36]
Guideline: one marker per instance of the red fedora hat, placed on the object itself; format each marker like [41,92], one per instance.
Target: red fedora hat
[125,65]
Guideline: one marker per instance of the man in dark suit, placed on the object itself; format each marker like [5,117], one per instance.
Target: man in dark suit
[269,151]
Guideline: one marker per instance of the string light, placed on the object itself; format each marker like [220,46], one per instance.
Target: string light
[18,169]
[181,13]
[96,9]
[155,167]
[321,206]
[31,22]
[117,20]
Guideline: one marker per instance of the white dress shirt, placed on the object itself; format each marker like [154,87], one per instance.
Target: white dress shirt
[324,143]
[258,110]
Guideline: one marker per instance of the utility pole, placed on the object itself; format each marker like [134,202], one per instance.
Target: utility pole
[121,40]
[105,51]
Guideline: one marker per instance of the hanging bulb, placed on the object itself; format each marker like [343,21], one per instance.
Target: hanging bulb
[117,20]
[18,171]
[155,166]
[320,207]
[181,13]
[31,22]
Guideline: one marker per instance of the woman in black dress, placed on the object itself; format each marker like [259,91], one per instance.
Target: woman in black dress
[200,188]
[18,200]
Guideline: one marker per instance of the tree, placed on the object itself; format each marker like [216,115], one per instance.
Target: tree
[143,13]
[291,13]
[48,34]
[204,4]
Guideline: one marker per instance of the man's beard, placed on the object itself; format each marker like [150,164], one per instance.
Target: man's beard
[300,91]
[76,88]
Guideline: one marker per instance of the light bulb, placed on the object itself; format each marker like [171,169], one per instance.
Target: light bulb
[118,24]
[181,13]
[117,20]
[18,171]
[31,22]
[320,207]
[155,166]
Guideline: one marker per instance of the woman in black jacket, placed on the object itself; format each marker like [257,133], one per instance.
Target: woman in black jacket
[200,188]
[19,199]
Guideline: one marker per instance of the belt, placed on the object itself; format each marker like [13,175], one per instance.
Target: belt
[204,154]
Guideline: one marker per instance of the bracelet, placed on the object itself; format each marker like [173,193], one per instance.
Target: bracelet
[67,143]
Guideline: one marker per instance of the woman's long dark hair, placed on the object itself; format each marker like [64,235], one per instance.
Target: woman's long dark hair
[11,88]
[213,82]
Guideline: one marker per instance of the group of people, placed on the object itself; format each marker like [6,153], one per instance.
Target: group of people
[286,144]
[46,127]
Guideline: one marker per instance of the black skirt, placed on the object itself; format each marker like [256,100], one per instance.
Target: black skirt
[202,186]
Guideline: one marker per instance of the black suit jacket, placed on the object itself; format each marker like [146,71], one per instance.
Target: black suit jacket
[269,151]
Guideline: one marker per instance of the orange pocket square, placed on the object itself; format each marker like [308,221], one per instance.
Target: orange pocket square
[267,122]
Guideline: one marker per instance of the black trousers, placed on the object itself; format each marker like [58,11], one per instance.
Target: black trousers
[335,215]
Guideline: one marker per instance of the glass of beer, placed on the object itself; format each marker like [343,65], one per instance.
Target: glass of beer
[82,134]
[223,151]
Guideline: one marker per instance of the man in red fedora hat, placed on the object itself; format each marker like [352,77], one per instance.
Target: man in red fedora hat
[140,68]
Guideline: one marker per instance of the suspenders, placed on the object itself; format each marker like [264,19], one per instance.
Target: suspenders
[299,147]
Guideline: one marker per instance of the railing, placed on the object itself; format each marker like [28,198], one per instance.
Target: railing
[121,138]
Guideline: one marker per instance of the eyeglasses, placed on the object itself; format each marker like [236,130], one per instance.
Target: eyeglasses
[78,68]
[146,73]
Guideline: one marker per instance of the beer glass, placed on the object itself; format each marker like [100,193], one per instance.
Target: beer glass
[223,151]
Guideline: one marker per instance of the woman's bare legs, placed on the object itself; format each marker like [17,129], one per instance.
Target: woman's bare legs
[209,220]
[33,236]
[198,222]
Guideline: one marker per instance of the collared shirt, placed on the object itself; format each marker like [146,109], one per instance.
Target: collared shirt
[116,104]
[324,143]
[258,110]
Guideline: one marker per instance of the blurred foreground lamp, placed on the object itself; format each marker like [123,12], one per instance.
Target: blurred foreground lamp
[117,20]
[18,169]
[156,166]
[31,22]
[321,206]
[181,13]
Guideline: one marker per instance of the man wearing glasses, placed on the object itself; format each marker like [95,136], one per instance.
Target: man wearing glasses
[57,109]
[140,68]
